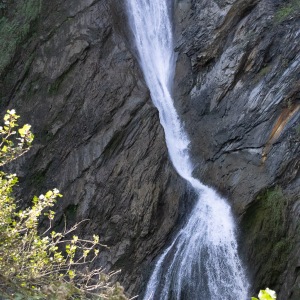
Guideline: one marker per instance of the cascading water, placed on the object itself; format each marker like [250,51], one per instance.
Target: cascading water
[202,262]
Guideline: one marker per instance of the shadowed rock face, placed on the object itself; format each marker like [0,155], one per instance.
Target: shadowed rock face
[238,92]
[98,137]
[97,134]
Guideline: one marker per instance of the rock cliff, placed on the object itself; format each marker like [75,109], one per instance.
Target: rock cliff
[97,135]
[237,88]
[67,68]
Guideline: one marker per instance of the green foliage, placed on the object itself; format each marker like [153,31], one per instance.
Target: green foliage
[287,10]
[13,30]
[13,144]
[52,265]
[266,294]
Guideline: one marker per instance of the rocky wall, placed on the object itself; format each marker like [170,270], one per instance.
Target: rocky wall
[97,135]
[238,92]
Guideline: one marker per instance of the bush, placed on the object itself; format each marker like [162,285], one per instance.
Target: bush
[52,265]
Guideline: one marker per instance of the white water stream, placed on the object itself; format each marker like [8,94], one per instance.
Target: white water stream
[202,262]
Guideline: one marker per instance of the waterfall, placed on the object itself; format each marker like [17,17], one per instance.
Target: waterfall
[202,261]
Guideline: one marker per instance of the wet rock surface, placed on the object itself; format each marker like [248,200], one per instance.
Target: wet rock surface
[237,90]
[97,135]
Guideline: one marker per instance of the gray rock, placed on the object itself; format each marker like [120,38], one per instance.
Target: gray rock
[238,93]
[97,135]
[98,138]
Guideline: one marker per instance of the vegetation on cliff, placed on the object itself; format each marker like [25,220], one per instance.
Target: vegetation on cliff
[52,265]
[15,21]
[288,10]
[266,294]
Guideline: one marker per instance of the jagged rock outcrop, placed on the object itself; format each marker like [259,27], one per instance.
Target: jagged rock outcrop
[66,70]
[238,91]
[97,134]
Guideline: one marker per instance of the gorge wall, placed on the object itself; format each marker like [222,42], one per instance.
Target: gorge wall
[97,134]
[238,92]
[68,71]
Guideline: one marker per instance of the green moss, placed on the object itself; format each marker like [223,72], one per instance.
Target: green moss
[14,29]
[283,13]
[262,73]
[286,11]
[265,227]
[274,202]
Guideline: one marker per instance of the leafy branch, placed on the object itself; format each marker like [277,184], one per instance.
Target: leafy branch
[52,265]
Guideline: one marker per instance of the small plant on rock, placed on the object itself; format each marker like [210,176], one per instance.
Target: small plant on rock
[266,294]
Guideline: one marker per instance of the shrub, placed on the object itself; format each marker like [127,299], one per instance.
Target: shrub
[50,265]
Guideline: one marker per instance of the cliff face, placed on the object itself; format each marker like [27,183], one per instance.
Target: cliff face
[66,69]
[238,91]
[97,134]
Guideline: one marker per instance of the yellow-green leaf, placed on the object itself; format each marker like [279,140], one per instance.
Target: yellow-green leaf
[24,130]
[4,149]
[49,194]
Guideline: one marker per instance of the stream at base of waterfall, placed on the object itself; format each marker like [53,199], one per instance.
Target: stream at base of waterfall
[202,262]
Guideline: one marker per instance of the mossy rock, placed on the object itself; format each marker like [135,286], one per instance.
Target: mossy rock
[287,10]
[15,27]
[265,227]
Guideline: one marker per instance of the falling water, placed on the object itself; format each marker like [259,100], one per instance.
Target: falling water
[202,262]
